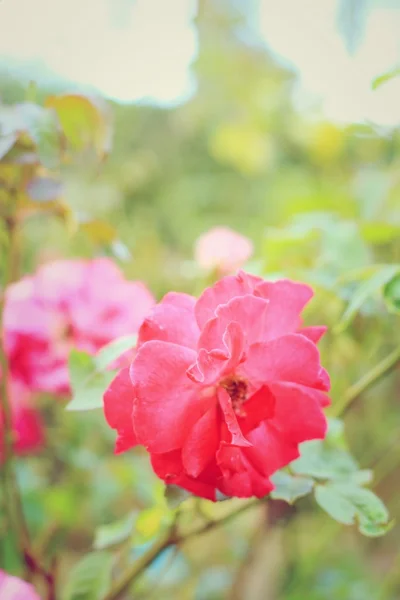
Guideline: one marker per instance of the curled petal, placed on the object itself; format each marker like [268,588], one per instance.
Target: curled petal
[237,437]
[221,292]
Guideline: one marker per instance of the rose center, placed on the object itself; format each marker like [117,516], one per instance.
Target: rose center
[237,389]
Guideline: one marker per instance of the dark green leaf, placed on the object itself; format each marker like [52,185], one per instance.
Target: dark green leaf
[290,488]
[90,579]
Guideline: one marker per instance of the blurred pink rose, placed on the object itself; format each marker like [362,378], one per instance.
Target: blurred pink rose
[68,303]
[13,588]
[222,250]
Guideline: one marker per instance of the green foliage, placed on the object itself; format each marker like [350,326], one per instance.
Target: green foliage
[87,382]
[290,488]
[348,502]
[90,578]
[366,289]
[320,201]
[90,375]
[114,533]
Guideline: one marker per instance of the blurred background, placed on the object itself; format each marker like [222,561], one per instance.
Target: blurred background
[277,119]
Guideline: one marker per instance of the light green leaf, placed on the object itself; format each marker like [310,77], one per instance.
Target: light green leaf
[90,578]
[365,291]
[85,121]
[348,502]
[88,383]
[381,79]
[114,533]
[332,502]
[319,460]
[290,488]
[391,293]
[109,353]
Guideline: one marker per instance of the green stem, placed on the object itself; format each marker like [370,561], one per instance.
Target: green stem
[371,378]
[170,538]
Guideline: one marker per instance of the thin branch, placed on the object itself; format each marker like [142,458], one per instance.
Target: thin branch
[170,538]
[371,378]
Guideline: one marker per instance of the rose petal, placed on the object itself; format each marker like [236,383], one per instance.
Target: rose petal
[298,413]
[118,408]
[167,403]
[286,301]
[313,333]
[237,437]
[291,358]
[169,467]
[202,442]
[221,292]
[173,321]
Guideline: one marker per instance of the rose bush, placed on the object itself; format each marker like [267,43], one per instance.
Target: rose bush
[66,304]
[223,389]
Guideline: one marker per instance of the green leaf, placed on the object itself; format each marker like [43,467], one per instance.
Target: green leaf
[378,81]
[391,293]
[348,503]
[44,189]
[365,291]
[90,578]
[85,121]
[114,533]
[290,488]
[109,353]
[332,502]
[87,382]
[319,460]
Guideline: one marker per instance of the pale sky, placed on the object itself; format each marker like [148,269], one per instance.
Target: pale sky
[135,50]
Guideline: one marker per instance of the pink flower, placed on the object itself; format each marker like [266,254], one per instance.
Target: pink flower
[223,390]
[27,426]
[68,303]
[13,588]
[222,250]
